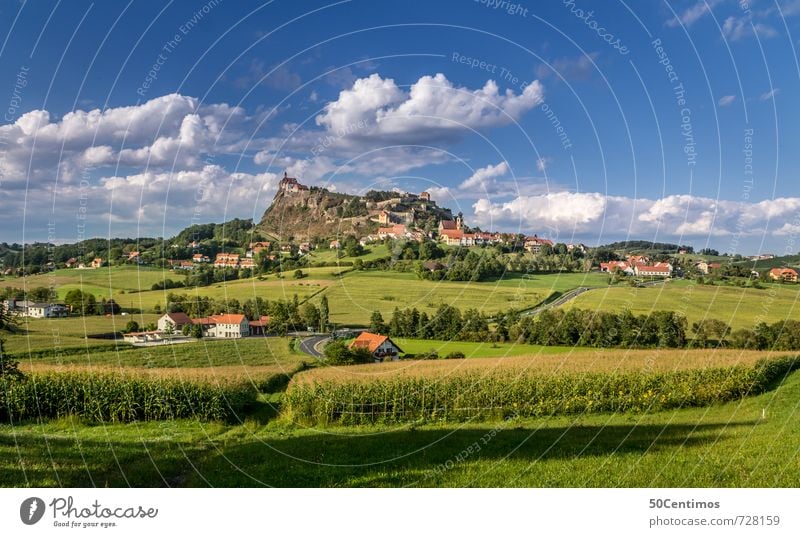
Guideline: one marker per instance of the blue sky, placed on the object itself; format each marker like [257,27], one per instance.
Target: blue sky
[577,120]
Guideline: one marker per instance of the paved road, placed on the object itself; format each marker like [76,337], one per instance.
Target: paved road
[312,345]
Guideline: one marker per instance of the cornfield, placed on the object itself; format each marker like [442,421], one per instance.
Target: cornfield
[107,397]
[509,392]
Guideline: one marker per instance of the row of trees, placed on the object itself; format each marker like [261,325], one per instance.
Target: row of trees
[284,315]
[585,328]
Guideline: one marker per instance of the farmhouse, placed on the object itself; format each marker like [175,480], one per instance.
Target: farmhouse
[381,347]
[783,274]
[229,325]
[71,262]
[334,245]
[36,310]
[134,257]
[258,247]
[200,258]
[706,267]
[176,320]
[659,269]
[260,326]
[534,244]
[613,266]
[97,262]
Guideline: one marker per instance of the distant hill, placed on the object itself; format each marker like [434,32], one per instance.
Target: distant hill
[301,213]
[775,262]
[642,247]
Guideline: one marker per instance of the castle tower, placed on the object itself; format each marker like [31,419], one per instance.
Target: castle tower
[460,220]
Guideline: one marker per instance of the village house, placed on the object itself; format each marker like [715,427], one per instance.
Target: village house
[200,258]
[226,260]
[706,267]
[579,247]
[134,257]
[397,231]
[451,237]
[783,274]
[334,245]
[229,325]
[185,265]
[97,262]
[36,310]
[659,269]
[613,266]
[176,320]
[247,262]
[634,260]
[257,247]
[71,262]
[381,347]
[259,327]
[534,244]
[425,196]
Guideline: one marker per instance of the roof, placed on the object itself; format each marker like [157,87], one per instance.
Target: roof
[227,318]
[447,224]
[370,341]
[178,317]
[452,233]
[646,268]
[778,271]
[263,321]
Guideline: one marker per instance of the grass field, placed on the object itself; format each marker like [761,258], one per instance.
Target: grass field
[745,443]
[354,297]
[255,351]
[475,350]
[739,307]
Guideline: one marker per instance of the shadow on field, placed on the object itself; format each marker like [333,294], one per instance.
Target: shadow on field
[427,457]
[29,460]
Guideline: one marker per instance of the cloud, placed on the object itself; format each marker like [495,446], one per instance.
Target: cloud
[377,110]
[677,215]
[726,100]
[694,13]
[769,94]
[580,68]
[483,178]
[542,163]
[737,28]
[165,132]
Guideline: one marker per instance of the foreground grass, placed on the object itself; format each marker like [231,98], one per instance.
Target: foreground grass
[752,442]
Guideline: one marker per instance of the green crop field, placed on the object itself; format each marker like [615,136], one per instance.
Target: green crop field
[739,307]
[105,279]
[475,350]
[743,443]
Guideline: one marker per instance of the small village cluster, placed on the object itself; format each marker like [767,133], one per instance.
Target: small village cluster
[227,326]
[642,266]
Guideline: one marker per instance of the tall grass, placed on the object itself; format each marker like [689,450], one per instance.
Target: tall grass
[512,392]
[107,397]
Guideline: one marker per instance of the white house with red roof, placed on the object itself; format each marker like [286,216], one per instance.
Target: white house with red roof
[228,325]
[783,274]
[381,347]
[177,320]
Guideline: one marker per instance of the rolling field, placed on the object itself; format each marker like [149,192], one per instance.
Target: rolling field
[68,333]
[739,307]
[354,297]
[475,350]
[743,443]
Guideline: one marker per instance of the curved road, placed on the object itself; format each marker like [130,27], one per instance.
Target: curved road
[311,345]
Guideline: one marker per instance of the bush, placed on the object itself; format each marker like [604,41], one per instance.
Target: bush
[455,355]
